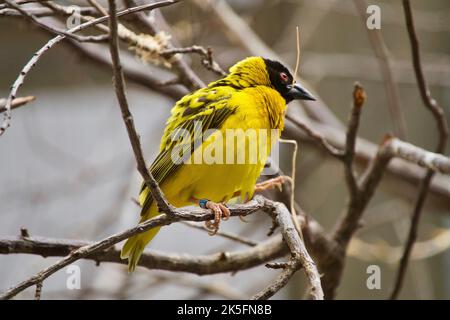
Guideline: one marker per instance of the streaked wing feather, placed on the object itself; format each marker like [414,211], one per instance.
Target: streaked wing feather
[211,115]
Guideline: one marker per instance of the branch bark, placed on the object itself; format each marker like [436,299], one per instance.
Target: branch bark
[119,85]
[220,262]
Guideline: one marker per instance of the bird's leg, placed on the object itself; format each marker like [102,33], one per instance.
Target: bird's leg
[220,211]
[272,183]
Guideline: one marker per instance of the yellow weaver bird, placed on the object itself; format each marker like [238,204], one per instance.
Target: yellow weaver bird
[253,96]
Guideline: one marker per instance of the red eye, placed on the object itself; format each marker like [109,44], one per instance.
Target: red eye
[284,77]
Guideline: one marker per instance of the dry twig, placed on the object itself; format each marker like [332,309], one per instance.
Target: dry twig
[439,117]
[206,57]
[16,103]
[42,12]
[359,96]
[31,17]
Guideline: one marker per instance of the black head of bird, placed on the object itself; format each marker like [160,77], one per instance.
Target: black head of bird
[283,82]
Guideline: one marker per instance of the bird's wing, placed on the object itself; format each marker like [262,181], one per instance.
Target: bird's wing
[192,115]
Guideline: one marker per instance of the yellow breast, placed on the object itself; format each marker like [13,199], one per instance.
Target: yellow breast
[232,158]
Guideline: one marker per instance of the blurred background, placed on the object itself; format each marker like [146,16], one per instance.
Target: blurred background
[67,170]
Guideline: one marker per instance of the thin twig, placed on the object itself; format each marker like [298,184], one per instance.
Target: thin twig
[359,96]
[288,271]
[292,181]
[277,265]
[220,262]
[297,61]
[43,12]
[119,85]
[16,103]
[205,54]
[29,16]
[439,117]
[3,6]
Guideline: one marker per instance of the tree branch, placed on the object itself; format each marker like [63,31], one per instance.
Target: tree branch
[439,117]
[119,85]
[299,255]
[221,262]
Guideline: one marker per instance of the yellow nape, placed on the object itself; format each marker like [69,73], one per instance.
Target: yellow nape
[251,70]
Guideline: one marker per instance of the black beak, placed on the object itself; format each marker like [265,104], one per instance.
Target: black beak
[296,91]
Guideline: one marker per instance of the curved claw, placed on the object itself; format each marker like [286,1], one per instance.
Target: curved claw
[220,212]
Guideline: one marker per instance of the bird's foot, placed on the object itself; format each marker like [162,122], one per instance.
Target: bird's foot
[220,211]
[272,183]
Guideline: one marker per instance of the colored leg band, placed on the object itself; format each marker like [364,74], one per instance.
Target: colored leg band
[202,203]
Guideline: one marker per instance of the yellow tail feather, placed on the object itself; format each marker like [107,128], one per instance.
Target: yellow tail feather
[135,245]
